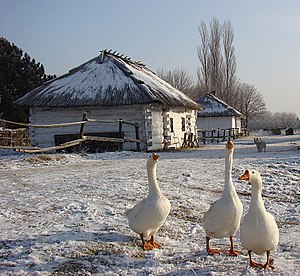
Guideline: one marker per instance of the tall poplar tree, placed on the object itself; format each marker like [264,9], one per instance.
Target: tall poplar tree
[217,59]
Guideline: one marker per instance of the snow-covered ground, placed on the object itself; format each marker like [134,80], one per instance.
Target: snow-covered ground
[63,214]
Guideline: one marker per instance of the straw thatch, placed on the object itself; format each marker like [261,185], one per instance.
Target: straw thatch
[214,107]
[107,80]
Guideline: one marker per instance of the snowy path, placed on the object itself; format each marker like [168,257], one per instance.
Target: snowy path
[66,215]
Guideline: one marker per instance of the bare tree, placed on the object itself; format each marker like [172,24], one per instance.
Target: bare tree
[229,65]
[203,55]
[178,78]
[217,70]
[216,58]
[250,101]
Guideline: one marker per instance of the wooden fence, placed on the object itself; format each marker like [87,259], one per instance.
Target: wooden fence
[14,137]
[217,135]
[13,143]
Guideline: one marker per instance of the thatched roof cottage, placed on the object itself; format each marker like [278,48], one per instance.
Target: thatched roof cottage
[216,114]
[112,87]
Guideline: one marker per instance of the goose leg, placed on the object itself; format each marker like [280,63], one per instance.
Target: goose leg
[153,243]
[232,252]
[211,251]
[146,244]
[252,263]
[268,264]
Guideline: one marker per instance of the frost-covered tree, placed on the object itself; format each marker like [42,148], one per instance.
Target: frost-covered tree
[286,119]
[249,101]
[269,120]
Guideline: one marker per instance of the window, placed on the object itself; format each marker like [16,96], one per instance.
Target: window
[171,125]
[183,124]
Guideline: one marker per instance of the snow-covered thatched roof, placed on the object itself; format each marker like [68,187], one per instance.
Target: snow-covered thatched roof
[107,80]
[214,107]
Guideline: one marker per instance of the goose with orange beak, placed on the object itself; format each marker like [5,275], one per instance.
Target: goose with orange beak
[259,232]
[147,216]
[223,217]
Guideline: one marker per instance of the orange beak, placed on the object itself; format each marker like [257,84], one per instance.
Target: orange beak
[245,176]
[229,144]
[155,156]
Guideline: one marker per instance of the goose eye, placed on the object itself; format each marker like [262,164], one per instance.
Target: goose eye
[252,172]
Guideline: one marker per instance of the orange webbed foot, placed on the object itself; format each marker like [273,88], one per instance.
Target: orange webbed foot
[233,253]
[147,246]
[213,251]
[155,245]
[269,265]
[255,264]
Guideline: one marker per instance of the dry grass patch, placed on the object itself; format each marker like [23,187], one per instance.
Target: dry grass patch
[44,158]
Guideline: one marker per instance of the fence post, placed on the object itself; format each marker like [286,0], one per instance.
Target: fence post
[190,139]
[81,132]
[137,136]
[213,135]
[120,132]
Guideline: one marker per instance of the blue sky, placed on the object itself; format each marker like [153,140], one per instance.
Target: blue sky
[164,34]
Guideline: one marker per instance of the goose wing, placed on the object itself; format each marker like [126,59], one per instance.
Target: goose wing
[135,210]
[217,221]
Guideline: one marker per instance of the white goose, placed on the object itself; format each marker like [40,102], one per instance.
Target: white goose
[223,217]
[259,232]
[146,217]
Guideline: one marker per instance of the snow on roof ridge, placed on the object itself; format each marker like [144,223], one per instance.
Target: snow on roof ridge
[121,56]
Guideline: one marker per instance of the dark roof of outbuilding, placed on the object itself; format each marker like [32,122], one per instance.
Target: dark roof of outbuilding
[214,107]
[107,80]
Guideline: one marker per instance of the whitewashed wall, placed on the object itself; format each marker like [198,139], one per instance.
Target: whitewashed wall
[155,128]
[210,123]
[238,123]
[190,125]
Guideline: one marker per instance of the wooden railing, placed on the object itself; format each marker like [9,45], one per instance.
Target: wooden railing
[82,138]
[217,135]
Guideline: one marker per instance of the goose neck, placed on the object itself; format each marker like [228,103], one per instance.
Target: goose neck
[152,179]
[228,161]
[256,197]
[228,173]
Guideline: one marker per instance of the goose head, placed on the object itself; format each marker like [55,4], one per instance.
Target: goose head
[230,146]
[253,177]
[152,159]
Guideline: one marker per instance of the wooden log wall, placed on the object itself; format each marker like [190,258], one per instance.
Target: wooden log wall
[45,137]
[7,141]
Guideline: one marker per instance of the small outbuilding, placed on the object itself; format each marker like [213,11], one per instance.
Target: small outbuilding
[289,131]
[111,87]
[216,114]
